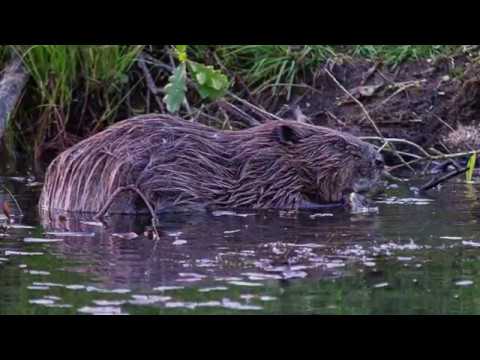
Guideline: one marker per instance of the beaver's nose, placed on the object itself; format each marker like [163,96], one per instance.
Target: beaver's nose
[379,162]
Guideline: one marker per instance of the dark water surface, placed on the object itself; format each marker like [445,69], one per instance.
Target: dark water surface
[419,255]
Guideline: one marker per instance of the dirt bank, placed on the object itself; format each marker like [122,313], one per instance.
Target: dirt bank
[417,101]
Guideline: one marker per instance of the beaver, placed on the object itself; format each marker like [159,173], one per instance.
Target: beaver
[177,163]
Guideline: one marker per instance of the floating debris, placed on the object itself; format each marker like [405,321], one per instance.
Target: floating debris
[168,288]
[229,304]
[126,236]
[210,289]
[228,232]
[22,253]
[319,215]
[230,213]
[175,234]
[48,284]
[179,242]
[106,291]
[75,287]
[70,234]
[405,201]
[41,301]
[471,243]
[41,241]
[262,276]
[244,283]
[38,272]
[92,223]
[109,302]
[294,274]
[33,287]
[18,226]
[148,299]
[102,310]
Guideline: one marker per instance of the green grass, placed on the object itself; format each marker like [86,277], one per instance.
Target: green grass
[275,66]
[396,54]
[280,67]
[58,70]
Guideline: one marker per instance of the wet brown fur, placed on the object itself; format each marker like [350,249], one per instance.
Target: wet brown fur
[177,163]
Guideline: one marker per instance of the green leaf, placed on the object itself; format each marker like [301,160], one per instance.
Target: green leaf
[176,89]
[181,52]
[212,84]
[471,166]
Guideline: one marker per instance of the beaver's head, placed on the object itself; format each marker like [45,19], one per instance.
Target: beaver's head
[331,164]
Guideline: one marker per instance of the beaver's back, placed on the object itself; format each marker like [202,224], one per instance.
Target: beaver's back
[83,177]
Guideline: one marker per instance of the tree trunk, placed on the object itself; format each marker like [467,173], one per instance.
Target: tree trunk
[12,83]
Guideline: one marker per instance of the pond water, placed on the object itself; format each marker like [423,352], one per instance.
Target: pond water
[419,255]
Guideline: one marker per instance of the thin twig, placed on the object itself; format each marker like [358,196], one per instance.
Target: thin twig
[133,188]
[403,141]
[253,107]
[374,125]
[150,82]
[225,105]
[13,198]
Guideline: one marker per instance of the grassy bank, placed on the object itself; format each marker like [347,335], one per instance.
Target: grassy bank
[78,90]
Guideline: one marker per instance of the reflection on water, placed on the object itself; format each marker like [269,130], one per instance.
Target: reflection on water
[418,255]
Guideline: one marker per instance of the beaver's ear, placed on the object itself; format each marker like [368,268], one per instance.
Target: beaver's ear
[285,134]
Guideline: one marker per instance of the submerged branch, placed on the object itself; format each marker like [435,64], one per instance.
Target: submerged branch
[438,180]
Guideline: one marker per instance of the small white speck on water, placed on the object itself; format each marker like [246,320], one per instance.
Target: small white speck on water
[464,283]
[70,234]
[107,291]
[75,287]
[101,310]
[244,283]
[451,238]
[175,234]
[319,215]
[210,289]
[380,285]
[33,287]
[126,236]
[41,241]
[38,272]
[471,243]
[179,242]
[22,253]
[41,301]
[231,232]
[18,226]
[92,223]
